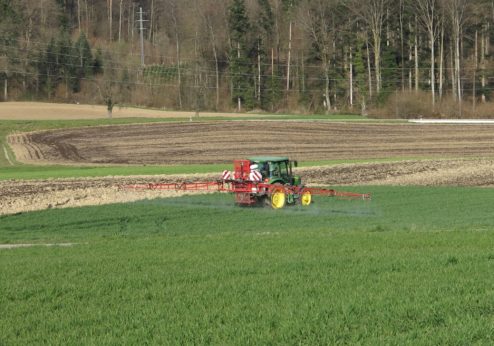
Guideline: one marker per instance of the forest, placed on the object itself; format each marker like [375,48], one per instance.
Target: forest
[402,58]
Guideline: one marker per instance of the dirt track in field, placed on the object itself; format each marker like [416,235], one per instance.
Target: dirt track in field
[64,111]
[28,195]
[215,142]
[22,196]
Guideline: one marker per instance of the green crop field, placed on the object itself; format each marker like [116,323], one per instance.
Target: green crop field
[412,266]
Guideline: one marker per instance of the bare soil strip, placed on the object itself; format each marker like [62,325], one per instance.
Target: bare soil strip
[60,111]
[215,142]
[29,195]
[18,196]
[478,172]
[452,121]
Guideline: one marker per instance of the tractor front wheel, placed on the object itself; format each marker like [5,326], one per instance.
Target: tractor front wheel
[305,198]
[278,198]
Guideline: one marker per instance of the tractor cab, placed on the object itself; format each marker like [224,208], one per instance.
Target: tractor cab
[276,169]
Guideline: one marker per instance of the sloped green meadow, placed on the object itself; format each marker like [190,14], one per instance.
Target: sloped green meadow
[412,266]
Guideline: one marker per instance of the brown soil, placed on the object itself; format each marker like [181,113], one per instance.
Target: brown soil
[29,195]
[20,196]
[203,142]
[478,172]
[59,111]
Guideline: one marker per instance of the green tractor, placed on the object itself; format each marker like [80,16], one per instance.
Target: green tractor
[276,170]
[278,185]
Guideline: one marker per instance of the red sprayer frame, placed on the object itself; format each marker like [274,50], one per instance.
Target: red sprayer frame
[248,191]
[245,187]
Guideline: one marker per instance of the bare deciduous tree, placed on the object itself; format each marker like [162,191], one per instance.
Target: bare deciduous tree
[372,12]
[456,12]
[110,19]
[320,30]
[427,13]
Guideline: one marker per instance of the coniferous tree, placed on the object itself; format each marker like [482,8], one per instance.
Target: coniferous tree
[390,73]
[65,63]
[265,25]
[10,21]
[83,61]
[240,67]
[50,68]
[97,64]
[361,75]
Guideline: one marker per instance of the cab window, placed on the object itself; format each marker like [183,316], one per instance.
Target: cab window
[278,169]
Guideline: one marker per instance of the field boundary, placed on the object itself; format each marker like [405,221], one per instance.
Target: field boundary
[453,121]
[16,246]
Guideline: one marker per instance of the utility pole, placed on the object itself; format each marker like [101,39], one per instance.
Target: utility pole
[141,28]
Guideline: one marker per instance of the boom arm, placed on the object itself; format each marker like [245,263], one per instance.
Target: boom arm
[243,186]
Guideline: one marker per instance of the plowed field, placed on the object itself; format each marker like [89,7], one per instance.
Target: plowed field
[220,142]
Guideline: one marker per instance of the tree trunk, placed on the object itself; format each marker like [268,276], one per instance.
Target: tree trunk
[179,73]
[133,21]
[452,73]
[482,64]
[417,76]
[369,71]
[151,21]
[197,77]
[433,75]
[387,28]
[239,100]
[5,89]
[271,98]
[110,18]
[302,79]
[259,72]
[216,64]
[350,77]
[79,14]
[289,58]
[87,16]
[179,70]
[441,62]
[474,79]
[120,21]
[402,46]
[458,68]
[327,97]
[487,40]
[377,60]
[410,59]
[217,72]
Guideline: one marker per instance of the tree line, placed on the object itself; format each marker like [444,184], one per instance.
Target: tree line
[410,57]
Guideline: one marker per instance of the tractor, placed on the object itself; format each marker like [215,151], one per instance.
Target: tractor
[258,181]
[277,187]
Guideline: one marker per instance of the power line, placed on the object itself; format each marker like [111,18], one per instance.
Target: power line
[221,61]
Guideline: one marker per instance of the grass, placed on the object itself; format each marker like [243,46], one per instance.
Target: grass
[44,172]
[410,267]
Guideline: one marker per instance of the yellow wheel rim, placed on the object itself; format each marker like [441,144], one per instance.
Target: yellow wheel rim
[306,198]
[278,199]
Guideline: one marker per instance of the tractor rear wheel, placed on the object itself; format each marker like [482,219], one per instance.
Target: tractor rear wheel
[277,198]
[305,198]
